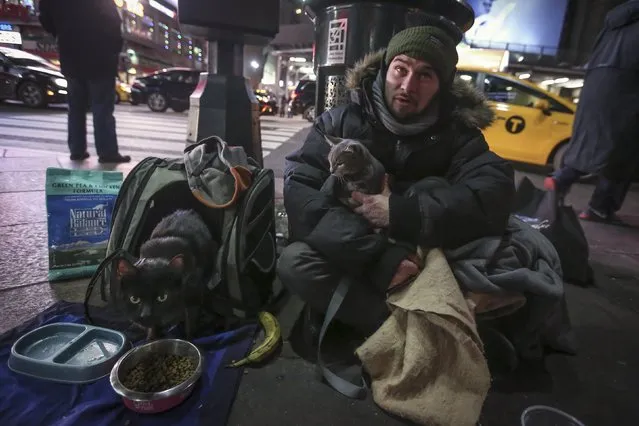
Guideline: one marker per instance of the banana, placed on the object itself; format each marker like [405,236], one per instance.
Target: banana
[272,335]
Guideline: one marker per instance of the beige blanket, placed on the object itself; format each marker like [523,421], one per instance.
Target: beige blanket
[426,361]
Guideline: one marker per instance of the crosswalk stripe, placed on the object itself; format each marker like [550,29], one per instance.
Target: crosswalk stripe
[60,123]
[61,148]
[270,145]
[56,148]
[119,121]
[140,134]
[57,135]
[145,140]
[147,131]
[148,119]
[143,131]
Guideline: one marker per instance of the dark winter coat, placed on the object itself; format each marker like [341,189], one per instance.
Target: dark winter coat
[606,130]
[88,34]
[477,204]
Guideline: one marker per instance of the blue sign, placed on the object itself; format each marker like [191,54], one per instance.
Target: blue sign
[5,27]
[524,25]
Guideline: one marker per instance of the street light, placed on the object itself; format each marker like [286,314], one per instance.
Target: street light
[255,64]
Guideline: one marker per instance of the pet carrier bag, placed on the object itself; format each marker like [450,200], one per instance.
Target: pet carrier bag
[231,193]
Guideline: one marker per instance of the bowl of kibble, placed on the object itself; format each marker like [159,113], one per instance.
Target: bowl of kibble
[157,376]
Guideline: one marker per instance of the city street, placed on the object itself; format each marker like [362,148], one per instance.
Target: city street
[141,132]
[604,317]
[550,84]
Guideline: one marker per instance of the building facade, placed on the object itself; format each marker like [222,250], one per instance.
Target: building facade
[289,56]
[151,31]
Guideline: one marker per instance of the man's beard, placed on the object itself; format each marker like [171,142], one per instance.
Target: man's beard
[401,116]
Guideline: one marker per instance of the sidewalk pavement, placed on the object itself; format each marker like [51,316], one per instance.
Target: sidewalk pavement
[24,287]
[598,386]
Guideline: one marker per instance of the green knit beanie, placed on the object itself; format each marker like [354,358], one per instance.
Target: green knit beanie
[428,43]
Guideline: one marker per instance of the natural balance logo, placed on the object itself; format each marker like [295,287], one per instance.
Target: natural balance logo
[88,222]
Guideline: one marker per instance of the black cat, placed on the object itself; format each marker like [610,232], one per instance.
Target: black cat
[167,284]
[355,168]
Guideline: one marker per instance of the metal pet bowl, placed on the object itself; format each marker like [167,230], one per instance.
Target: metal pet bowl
[156,402]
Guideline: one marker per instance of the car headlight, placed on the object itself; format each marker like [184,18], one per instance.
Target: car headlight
[60,82]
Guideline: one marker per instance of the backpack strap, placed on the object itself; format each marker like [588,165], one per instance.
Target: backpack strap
[228,223]
[338,383]
[232,276]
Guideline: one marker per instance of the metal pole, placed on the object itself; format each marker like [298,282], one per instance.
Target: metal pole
[278,75]
[212,56]
[230,58]
[285,67]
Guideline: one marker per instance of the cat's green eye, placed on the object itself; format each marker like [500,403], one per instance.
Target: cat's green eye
[134,300]
[162,298]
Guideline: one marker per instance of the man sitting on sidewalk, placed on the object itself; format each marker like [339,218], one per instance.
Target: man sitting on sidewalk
[419,122]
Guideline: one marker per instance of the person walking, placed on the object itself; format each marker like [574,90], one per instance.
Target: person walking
[283,105]
[89,41]
[605,139]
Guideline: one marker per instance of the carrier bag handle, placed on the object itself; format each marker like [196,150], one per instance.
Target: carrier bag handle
[212,163]
[118,254]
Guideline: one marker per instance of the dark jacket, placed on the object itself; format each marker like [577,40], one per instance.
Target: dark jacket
[606,129]
[88,33]
[477,204]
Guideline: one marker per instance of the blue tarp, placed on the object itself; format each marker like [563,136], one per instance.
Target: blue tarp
[26,401]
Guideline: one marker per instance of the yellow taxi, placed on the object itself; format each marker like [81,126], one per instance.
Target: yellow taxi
[532,125]
[122,92]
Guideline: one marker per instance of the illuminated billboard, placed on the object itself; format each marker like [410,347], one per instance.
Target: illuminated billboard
[525,25]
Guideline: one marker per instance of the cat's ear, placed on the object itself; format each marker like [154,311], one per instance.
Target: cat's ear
[332,140]
[125,268]
[177,262]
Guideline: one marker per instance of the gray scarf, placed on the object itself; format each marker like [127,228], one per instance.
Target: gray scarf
[413,127]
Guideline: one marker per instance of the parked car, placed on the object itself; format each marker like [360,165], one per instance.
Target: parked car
[303,99]
[171,88]
[30,79]
[532,125]
[168,88]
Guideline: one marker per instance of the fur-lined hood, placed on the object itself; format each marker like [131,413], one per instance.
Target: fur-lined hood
[469,104]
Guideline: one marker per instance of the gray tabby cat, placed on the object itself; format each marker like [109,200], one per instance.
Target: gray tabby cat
[355,168]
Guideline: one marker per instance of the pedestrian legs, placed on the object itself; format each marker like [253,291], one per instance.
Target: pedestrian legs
[102,105]
[608,196]
[78,102]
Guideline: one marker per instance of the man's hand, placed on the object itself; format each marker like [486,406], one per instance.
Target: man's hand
[375,208]
[406,270]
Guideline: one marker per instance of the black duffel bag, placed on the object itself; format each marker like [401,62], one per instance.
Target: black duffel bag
[545,211]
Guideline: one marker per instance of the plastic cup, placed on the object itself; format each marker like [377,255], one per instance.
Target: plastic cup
[542,415]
